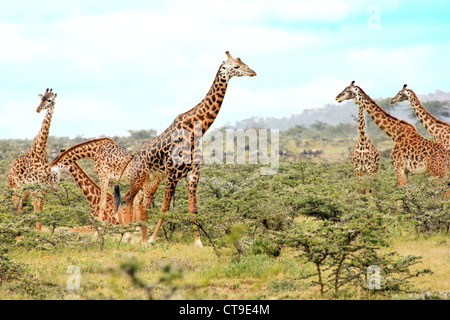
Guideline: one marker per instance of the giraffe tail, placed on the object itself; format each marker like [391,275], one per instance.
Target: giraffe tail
[117,198]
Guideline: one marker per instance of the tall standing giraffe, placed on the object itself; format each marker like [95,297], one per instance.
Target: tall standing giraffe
[411,153]
[33,166]
[365,157]
[440,130]
[174,153]
[110,162]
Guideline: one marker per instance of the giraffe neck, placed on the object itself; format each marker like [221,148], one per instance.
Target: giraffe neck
[88,187]
[208,109]
[390,125]
[40,141]
[361,124]
[428,120]
[213,100]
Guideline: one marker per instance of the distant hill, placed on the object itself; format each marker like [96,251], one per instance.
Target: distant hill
[334,114]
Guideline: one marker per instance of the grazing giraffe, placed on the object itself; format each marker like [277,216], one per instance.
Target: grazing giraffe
[110,162]
[411,153]
[365,157]
[92,193]
[174,153]
[439,130]
[33,167]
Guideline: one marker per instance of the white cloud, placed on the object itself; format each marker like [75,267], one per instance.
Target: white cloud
[385,68]
[133,69]
[20,120]
[241,103]
[15,47]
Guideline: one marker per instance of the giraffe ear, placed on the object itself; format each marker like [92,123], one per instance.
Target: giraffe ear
[40,95]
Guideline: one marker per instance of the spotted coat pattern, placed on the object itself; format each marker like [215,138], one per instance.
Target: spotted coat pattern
[33,166]
[440,130]
[365,156]
[92,193]
[110,163]
[411,153]
[174,154]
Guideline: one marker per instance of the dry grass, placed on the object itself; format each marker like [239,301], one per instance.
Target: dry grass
[435,253]
[207,276]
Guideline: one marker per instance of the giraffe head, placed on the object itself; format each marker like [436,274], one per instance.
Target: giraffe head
[235,68]
[55,177]
[55,174]
[402,95]
[47,100]
[348,93]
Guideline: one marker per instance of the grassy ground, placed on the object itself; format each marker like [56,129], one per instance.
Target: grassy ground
[178,270]
[435,253]
[175,269]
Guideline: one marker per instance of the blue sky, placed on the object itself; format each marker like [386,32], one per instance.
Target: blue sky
[120,65]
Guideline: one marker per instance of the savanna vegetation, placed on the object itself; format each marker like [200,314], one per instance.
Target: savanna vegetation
[306,232]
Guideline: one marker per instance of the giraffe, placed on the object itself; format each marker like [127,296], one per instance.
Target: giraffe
[170,156]
[439,130]
[110,161]
[33,167]
[92,193]
[365,157]
[411,153]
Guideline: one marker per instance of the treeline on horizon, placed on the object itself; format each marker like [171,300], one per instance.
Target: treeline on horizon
[318,130]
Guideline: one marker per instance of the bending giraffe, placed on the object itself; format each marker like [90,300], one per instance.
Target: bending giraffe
[33,167]
[174,153]
[110,162]
[411,153]
[92,193]
[365,157]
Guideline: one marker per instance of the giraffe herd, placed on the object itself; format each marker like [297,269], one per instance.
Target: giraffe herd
[411,153]
[174,155]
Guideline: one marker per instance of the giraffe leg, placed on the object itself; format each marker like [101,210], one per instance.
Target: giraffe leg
[137,181]
[149,192]
[103,193]
[38,203]
[402,180]
[18,203]
[20,200]
[171,184]
[192,184]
